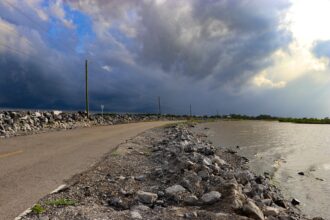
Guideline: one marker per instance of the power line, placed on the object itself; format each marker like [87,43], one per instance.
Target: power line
[14,50]
[24,14]
[10,30]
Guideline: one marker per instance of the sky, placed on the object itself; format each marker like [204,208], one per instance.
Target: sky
[219,56]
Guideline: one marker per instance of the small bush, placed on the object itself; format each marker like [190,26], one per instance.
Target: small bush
[38,209]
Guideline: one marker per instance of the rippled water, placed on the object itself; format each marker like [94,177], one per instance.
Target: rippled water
[287,149]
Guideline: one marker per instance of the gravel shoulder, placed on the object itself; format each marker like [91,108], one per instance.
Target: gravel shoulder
[167,173]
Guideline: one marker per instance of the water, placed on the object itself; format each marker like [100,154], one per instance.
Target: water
[284,149]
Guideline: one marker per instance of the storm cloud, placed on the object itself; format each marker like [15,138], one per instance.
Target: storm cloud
[203,53]
[228,40]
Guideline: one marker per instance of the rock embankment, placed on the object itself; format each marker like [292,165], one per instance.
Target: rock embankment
[14,123]
[167,173]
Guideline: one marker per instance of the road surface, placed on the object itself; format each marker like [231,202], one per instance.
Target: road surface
[32,166]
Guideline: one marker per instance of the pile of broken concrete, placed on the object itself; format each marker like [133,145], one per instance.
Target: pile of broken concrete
[195,173]
[14,123]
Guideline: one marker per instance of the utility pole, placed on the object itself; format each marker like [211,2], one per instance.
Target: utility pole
[190,110]
[159,108]
[86,80]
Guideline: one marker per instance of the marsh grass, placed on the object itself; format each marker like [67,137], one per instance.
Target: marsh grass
[38,209]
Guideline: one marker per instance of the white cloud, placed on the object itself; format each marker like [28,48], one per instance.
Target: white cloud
[261,81]
[12,41]
[309,20]
[57,10]
[107,68]
[35,5]
[295,62]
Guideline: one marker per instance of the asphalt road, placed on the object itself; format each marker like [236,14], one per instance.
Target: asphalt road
[32,166]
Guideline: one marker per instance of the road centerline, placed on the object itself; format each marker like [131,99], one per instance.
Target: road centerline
[10,154]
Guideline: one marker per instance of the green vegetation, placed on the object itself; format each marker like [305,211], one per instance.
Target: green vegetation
[197,119]
[38,209]
[61,202]
[306,120]
[147,151]
[115,153]
[273,118]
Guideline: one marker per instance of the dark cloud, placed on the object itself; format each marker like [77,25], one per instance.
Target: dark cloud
[186,51]
[225,39]
[230,40]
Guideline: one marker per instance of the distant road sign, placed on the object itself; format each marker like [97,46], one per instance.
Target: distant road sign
[102,107]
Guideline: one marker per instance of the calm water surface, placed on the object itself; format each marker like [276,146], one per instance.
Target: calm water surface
[286,149]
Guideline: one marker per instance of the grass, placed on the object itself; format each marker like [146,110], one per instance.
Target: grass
[61,202]
[115,153]
[147,151]
[306,120]
[38,209]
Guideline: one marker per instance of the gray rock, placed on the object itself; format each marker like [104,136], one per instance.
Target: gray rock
[211,197]
[247,188]
[295,202]
[281,203]
[135,215]
[160,193]
[250,209]
[244,177]
[175,189]
[218,160]
[191,181]
[191,200]
[221,215]
[207,161]
[190,165]
[141,208]
[146,197]
[271,211]
[203,174]
[160,202]
[140,178]
[116,202]
[267,202]
[190,215]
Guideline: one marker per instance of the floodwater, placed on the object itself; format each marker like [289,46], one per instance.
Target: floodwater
[283,149]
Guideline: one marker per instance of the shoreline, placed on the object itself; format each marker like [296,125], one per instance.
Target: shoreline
[167,173]
[277,149]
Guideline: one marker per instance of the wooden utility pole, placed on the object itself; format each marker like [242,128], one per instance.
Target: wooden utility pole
[159,108]
[86,80]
